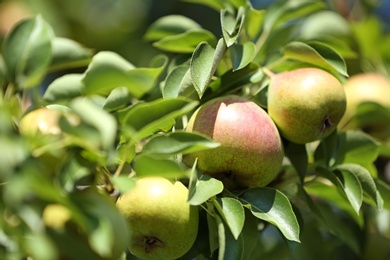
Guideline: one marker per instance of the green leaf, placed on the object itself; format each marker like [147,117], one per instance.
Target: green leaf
[366,181]
[147,118]
[212,225]
[185,42]
[326,150]
[170,25]
[254,22]
[356,147]
[332,192]
[3,77]
[178,83]
[384,190]
[204,63]
[345,232]
[118,98]
[108,71]
[281,14]
[297,154]
[203,189]
[232,25]
[215,4]
[145,165]
[242,54]
[274,207]
[65,88]
[317,54]
[69,54]
[93,115]
[178,142]
[123,183]
[27,52]
[234,248]
[233,214]
[352,188]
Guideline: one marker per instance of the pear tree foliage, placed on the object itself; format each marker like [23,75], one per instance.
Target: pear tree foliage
[132,121]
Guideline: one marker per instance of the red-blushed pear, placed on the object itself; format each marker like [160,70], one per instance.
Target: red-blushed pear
[306,104]
[250,152]
[366,87]
[162,224]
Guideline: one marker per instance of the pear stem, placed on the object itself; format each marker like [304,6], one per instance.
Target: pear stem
[268,72]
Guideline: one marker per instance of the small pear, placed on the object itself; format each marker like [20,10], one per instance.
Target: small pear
[366,87]
[162,224]
[306,104]
[250,152]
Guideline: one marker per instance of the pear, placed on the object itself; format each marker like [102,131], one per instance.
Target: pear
[366,87]
[250,152]
[306,104]
[45,120]
[162,224]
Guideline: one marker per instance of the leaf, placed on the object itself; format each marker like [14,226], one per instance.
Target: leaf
[215,4]
[366,181]
[118,98]
[297,154]
[147,118]
[317,54]
[232,25]
[234,248]
[281,14]
[93,115]
[332,192]
[169,25]
[384,190]
[69,54]
[356,147]
[3,77]
[27,52]
[145,165]
[178,142]
[253,22]
[123,183]
[108,71]
[185,42]
[232,213]
[204,63]
[352,188]
[64,88]
[178,82]
[348,188]
[274,207]
[242,54]
[327,149]
[204,188]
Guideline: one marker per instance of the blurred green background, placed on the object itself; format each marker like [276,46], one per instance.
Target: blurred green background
[116,25]
[119,25]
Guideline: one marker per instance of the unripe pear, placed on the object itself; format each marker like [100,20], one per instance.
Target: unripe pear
[306,104]
[366,87]
[250,152]
[45,120]
[162,224]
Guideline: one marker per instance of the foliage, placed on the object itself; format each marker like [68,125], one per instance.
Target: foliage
[330,193]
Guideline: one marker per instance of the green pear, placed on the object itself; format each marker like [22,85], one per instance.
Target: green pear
[162,224]
[306,104]
[366,87]
[45,120]
[250,152]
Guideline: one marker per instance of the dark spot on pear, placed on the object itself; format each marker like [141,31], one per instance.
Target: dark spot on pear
[150,243]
